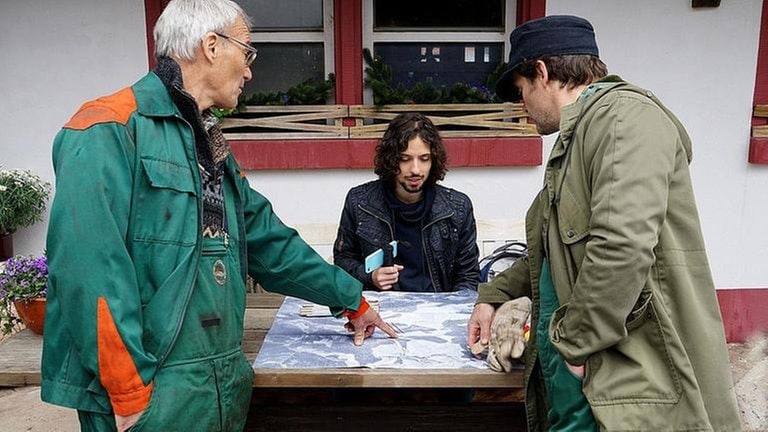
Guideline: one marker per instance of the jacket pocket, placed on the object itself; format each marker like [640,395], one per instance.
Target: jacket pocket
[639,369]
[572,216]
[166,204]
[372,233]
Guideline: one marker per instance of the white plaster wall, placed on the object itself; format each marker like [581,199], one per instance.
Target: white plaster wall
[700,62]
[55,56]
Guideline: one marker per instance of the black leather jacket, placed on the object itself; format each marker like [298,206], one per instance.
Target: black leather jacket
[448,237]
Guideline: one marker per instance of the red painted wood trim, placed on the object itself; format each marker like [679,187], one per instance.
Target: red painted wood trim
[758,147]
[348,50]
[745,312]
[358,153]
[758,150]
[152,11]
[761,78]
[530,9]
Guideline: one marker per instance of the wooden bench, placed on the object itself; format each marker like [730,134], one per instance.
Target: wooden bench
[20,353]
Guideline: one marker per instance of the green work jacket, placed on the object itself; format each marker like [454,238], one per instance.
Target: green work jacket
[618,222]
[124,244]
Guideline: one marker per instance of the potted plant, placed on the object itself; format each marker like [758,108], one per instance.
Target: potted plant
[23,282]
[23,196]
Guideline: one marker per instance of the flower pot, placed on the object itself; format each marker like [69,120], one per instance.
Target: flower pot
[32,313]
[6,246]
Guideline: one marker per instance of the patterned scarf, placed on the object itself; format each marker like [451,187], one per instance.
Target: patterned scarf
[211,147]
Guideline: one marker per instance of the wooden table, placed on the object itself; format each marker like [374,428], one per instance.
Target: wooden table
[338,399]
[384,399]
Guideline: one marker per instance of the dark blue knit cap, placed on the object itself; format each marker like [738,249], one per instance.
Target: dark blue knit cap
[549,36]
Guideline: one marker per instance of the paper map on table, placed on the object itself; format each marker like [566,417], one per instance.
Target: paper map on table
[433,325]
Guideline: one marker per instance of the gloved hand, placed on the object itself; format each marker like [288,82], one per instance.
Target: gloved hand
[509,333]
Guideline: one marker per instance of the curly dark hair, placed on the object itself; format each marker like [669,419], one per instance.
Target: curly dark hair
[400,131]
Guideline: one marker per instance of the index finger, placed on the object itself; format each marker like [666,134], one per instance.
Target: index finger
[473,335]
[386,328]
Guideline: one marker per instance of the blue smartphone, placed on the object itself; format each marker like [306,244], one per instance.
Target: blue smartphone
[376,259]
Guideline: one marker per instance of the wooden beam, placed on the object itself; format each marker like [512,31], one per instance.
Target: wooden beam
[358,153]
[371,378]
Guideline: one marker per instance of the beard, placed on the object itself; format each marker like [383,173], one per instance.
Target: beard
[547,127]
[412,189]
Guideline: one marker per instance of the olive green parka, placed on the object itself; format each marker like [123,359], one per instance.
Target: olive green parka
[618,222]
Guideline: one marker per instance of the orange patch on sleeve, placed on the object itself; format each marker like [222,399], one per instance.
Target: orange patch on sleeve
[117,108]
[117,370]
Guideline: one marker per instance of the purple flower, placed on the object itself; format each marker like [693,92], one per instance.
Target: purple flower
[24,278]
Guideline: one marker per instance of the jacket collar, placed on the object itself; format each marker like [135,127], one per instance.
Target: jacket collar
[152,98]
[377,204]
[570,114]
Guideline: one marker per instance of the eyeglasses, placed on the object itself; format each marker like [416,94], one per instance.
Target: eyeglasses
[249,51]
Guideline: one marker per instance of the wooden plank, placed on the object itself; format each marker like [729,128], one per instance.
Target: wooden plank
[470,120]
[511,132]
[20,356]
[263,300]
[365,110]
[760,131]
[340,110]
[279,124]
[464,120]
[414,378]
[500,229]
[248,136]
[259,319]
[252,340]
[289,118]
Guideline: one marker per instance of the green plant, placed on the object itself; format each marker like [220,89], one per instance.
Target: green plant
[379,78]
[21,278]
[308,92]
[23,196]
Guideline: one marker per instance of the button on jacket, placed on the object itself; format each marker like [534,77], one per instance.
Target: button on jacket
[448,237]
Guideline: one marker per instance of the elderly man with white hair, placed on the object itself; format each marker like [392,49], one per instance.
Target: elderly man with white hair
[152,233]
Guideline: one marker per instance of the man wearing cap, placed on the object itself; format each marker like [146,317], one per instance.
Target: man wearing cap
[626,332]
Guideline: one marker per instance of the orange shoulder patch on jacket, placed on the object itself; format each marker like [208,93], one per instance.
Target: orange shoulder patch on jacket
[117,369]
[117,108]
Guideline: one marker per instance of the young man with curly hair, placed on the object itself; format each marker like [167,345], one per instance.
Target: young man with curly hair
[434,225]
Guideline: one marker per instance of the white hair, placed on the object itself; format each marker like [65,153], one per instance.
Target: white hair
[184,23]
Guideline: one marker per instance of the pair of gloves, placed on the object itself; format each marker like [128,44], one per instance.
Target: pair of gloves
[509,333]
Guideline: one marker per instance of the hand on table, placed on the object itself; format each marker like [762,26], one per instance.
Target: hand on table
[364,326]
[385,277]
[479,328]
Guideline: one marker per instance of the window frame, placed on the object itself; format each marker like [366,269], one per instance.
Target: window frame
[372,36]
[346,46]
[326,37]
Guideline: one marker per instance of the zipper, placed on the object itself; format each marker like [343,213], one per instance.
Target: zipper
[424,247]
[391,230]
[197,258]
